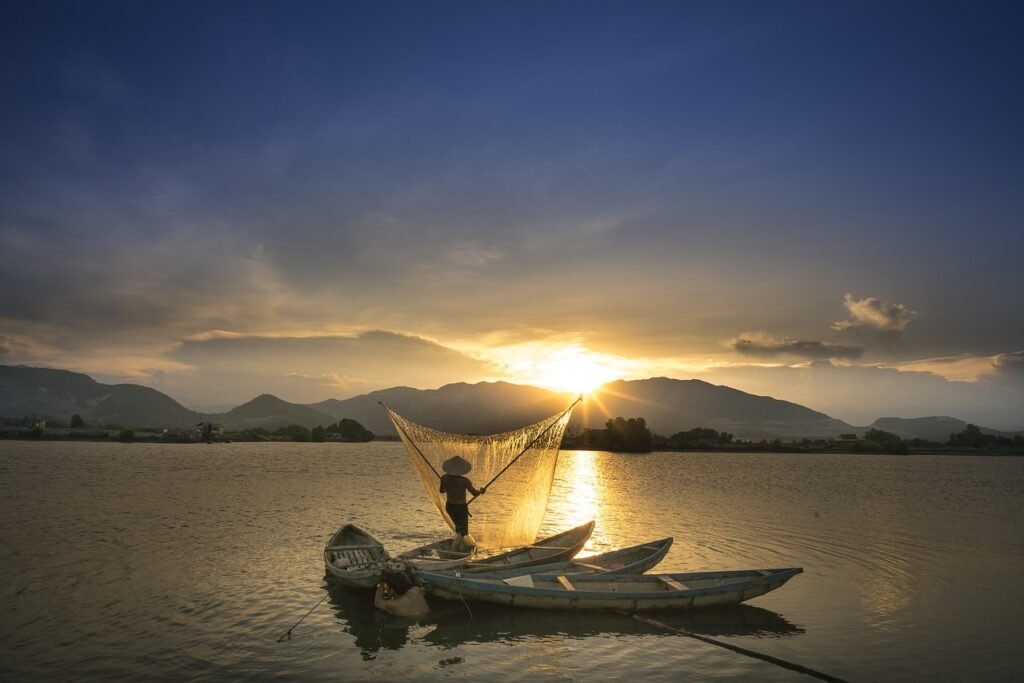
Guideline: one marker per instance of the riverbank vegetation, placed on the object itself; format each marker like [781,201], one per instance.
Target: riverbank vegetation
[625,435]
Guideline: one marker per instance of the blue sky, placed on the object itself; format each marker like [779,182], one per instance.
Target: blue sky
[192,195]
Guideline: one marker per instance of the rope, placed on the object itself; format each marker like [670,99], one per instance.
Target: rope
[529,445]
[792,666]
[464,602]
[288,634]
[409,440]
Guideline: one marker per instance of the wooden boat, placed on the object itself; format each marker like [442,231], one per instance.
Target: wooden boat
[630,592]
[555,548]
[633,560]
[437,556]
[354,557]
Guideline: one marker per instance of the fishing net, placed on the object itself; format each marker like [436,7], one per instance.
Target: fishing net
[523,463]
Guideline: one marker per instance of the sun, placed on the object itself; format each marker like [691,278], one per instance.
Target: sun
[559,366]
[569,368]
[575,373]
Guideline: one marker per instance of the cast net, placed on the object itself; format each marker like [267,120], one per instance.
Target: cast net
[517,467]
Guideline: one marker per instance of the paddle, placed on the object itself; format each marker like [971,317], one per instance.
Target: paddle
[793,666]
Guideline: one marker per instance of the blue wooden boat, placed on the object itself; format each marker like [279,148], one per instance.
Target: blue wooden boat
[436,556]
[555,548]
[629,592]
[633,560]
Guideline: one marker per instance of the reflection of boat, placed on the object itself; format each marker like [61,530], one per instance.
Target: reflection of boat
[632,592]
[555,548]
[633,560]
[372,629]
[495,623]
[436,556]
[354,557]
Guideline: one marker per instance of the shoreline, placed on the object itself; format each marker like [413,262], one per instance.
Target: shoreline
[113,436]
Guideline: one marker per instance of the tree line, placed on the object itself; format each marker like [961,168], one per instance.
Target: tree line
[343,430]
[633,436]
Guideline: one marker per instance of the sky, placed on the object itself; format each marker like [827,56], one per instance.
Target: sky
[821,202]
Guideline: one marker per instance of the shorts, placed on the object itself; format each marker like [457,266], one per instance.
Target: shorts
[459,512]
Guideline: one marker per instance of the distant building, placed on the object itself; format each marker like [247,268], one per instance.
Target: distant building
[208,430]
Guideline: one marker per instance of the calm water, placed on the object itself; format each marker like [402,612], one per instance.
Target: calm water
[170,562]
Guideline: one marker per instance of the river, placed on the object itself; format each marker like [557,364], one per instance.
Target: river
[167,562]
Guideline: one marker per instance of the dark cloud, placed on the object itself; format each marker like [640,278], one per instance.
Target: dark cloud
[814,350]
[14,349]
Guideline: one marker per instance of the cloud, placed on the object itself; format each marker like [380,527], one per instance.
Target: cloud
[875,313]
[1010,363]
[329,380]
[306,369]
[762,345]
[860,395]
[963,368]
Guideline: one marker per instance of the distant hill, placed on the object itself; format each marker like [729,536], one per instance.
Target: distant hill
[270,412]
[668,406]
[931,428]
[674,405]
[59,394]
[484,408]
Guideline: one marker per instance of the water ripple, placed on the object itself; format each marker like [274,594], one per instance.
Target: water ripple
[166,562]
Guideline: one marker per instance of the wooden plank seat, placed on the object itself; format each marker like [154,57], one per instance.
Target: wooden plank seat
[524,580]
[671,584]
[357,556]
[566,584]
[591,566]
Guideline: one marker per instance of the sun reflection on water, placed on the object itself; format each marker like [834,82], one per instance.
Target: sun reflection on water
[582,499]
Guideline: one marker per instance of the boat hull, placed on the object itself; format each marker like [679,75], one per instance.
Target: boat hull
[436,556]
[557,548]
[633,560]
[621,592]
[364,555]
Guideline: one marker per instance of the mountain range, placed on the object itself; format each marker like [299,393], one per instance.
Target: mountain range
[668,406]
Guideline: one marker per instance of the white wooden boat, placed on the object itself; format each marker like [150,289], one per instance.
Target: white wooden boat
[354,557]
[630,592]
[437,556]
[555,548]
[633,560]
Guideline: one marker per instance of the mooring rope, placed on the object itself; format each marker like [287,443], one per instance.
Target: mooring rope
[792,666]
[288,634]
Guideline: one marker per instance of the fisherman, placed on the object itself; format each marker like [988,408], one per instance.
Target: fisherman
[454,483]
[397,594]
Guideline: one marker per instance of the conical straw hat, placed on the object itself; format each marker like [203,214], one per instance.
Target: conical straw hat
[456,465]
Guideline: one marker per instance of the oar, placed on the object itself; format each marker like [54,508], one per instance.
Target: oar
[792,666]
